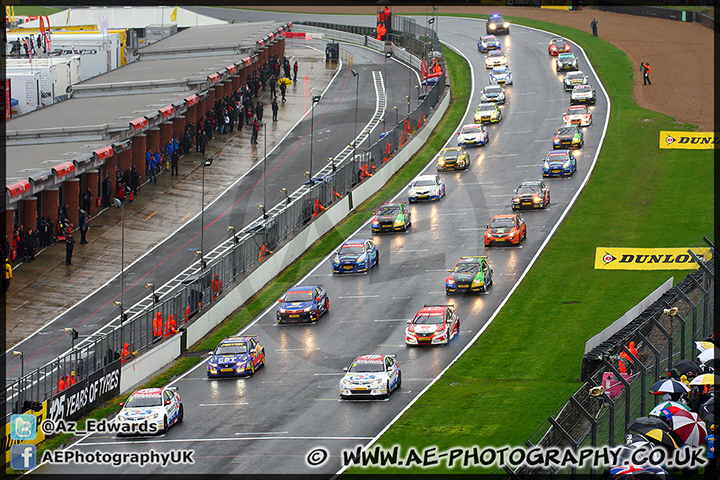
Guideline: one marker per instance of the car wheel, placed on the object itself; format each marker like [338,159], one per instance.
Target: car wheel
[252,367]
[181,415]
[262,359]
[377,259]
[165,425]
[447,292]
[327,305]
[399,384]
[387,386]
[524,235]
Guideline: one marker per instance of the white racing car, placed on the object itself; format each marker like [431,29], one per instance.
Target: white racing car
[371,376]
[159,407]
[473,134]
[426,187]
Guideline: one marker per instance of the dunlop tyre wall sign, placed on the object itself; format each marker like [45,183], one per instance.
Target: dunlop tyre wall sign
[689,140]
[611,258]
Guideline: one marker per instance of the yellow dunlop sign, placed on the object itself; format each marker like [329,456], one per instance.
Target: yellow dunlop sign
[689,140]
[611,258]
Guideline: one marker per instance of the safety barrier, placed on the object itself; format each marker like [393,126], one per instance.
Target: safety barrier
[233,261]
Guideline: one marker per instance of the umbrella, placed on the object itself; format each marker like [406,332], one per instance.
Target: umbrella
[689,427]
[707,410]
[645,424]
[286,81]
[708,355]
[683,367]
[626,450]
[669,385]
[706,379]
[634,472]
[661,437]
[673,407]
[702,346]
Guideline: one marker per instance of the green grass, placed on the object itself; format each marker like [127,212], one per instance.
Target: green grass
[527,363]
[35,10]
[459,71]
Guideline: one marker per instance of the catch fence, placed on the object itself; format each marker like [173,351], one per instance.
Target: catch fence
[232,261]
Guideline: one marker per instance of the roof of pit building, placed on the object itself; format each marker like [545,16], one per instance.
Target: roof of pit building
[168,76]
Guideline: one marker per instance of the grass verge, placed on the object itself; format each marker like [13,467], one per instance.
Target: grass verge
[527,362]
[459,72]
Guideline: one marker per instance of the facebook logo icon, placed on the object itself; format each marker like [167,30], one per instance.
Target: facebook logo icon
[23,427]
[23,456]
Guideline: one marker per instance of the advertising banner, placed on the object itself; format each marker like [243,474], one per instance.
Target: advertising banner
[689,140]
[21,429]
[76,400]
[611,258]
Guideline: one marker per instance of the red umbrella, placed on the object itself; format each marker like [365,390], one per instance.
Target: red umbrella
[689,427]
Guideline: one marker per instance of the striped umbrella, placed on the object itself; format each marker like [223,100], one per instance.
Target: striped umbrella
[668,385]
[709,354]
[706,379]
[661,437]
[634,472]
[689,427]
[673,407]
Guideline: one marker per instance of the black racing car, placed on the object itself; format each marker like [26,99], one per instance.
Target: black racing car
[497,24]
[531,194]
[391,217]
[566,61]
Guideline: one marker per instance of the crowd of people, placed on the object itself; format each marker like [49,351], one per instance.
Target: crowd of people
[242,108]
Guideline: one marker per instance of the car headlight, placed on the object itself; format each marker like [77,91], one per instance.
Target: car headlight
[546,165]
[336,260]
[441,162]
[516,200]
[346,382]
[536,199]
[375,222]
[411,192]
[306,310]
[556,140]
[492,26]
[121,418]
[506,25]
[361,258]
[377,381]
[478,283]
[566,164]
[211,364]
[241,363]
[153,416]
[282,310]
[450,281]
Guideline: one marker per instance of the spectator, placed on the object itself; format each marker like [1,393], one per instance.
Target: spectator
[594,25]
[275,109]
[283,88]
[8,274]
[645,69]
[295,70]
[84,226]
[255,130]
[259,111]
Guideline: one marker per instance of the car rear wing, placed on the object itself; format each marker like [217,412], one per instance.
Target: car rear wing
[451,305]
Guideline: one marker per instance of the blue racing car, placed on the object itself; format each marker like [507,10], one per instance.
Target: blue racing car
[236,356]
[559,163]
[304,303]
[358,255]
[487,43]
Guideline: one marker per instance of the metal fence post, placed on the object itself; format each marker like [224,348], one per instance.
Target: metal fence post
[668,336]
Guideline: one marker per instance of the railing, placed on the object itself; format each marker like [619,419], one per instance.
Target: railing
[231,261]
[599,416]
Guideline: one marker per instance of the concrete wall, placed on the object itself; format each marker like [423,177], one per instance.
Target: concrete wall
[159,357]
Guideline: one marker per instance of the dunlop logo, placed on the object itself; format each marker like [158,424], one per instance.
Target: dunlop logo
[689,140]
[607,258]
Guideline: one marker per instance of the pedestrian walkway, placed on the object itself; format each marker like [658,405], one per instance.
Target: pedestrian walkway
[44,289]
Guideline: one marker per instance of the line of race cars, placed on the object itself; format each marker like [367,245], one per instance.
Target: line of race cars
[377,375]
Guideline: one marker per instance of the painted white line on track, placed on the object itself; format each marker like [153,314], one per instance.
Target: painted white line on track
[261,433]
[295,349]
[446,214]
[518,131]
[391,320]
[507,155]
[528,166]
[359,296]
[221,404]
[338,373]
[408,251]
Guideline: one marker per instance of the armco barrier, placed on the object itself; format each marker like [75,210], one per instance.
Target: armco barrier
[159,357]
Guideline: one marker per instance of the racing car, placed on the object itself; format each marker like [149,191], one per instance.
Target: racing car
[578,115]
[236,357]
[568,136]
[558,45]
[453,158]
[501,75]
[495,58]
[471,273]
[487,112]
[433,325]
[493,93]
[160,407]
[574,78]
[559,163]
[391,217]
[531,194]
[371,376]
[582,94]
[303,303]
[357,255]
[487,43]
[426,187]
[505,228]
[566,61]
[497,24]
[473,134]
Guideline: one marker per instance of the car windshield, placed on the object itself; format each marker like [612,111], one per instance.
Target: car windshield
[557,157]
[472,129]
[138,401]
[389,210]
[488,39]
[560,42]
[568,57]
[502,222]
[428,319]
[566,131]
[527,189]
[450,154]
[500,70]
[582,89]
[429,182]
[576,76]
[493,90]
[467,267]
[577,111]
[352,249]
[299,296]
[496,19]
[486,108]
[231,349]
[495,53]
[362,367]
